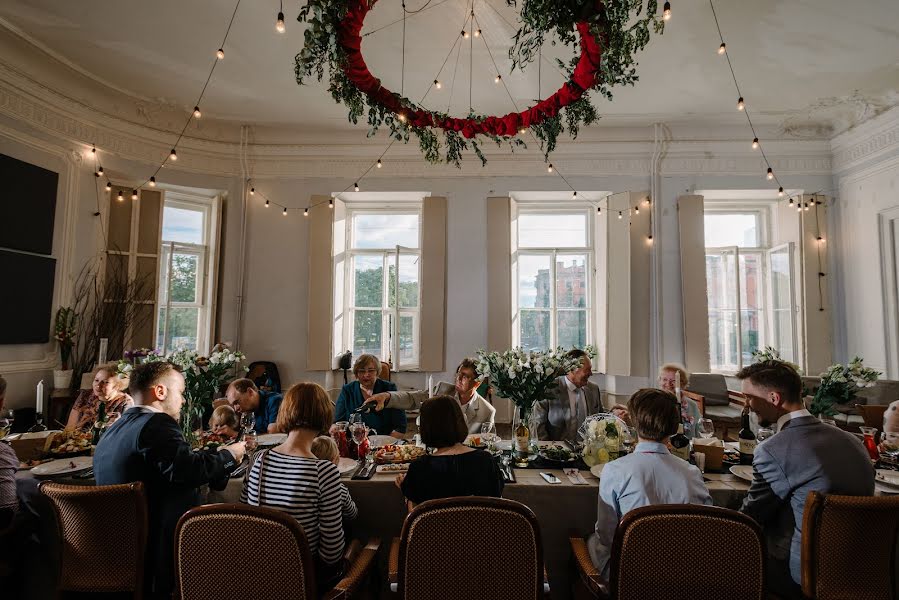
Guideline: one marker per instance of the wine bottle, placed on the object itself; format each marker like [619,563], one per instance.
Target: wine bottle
[99,424]
[521,450]
[747,439]
[680,444]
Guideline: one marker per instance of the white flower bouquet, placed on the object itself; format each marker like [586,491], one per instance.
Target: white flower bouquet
[840,384]
[602,435]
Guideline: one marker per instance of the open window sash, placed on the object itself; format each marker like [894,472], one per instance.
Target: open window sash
[188,296]
[781,292]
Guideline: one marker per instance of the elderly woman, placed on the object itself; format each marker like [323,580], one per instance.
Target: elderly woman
[454,469]
[292,479]
[390,421]
[107,387]
[672,377]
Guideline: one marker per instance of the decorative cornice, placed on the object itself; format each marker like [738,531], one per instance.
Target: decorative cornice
[868,143]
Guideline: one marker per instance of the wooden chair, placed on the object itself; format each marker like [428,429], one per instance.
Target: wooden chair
[675,551]
[104,534]
[424,560]
[716,402]
[872,414]
[855,531]
[285,569]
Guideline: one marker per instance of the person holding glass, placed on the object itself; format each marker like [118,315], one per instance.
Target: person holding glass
[107,387]
[390,421]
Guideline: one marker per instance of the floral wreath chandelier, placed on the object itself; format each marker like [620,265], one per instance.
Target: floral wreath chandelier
[609,33]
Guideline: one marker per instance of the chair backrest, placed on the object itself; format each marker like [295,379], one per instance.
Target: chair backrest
[284,568]
[385,371]
[437,532]
[674,551]
[711,386]
[872,414]
[92,560]
[849,546]
[265,375]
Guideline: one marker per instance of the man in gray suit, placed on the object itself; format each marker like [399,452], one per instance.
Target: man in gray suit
[804,455]
[573,400]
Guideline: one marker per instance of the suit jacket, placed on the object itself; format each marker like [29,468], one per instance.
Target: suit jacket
[806,455]
[476,412]
[384,422]
[147,446]
[553,415]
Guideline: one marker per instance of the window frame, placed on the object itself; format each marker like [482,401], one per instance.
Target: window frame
[390,344]
[587,251]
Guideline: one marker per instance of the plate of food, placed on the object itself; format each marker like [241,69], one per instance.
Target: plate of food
[377,441]
[270,439]
[398,454]
[596,470]
[744,472]
[211,441]
[887,478]
[68,442]
[557,454]
[63,466]
[475,440]
[30,464]
[393,468]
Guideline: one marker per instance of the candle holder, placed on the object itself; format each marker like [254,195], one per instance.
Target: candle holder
[38,424]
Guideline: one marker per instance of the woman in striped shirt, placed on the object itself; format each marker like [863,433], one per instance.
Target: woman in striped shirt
[290,478]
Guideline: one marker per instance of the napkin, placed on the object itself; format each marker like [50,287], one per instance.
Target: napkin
[575,477]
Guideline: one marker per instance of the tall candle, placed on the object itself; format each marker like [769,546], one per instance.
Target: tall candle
[677,384]
[104,347]
[430,385]
[39,404]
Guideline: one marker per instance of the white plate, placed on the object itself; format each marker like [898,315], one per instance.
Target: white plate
[885,489]
[347,465]
[270,439]
[63,466]
[596,470]
[888,478]
[742,471]
[376,441]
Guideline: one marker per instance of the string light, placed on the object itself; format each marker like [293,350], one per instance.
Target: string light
[379,163]
[93,149]
[285,211]
[279,24]
[522,131]
[99,172]
[120,197]
[108,186]
[619,214]
[465,34]
[498,78]
[252,191]
[636,210]
[477,33]
[770,174]
[402,117]
[220,54]
[266,203]
[649,238]
[722,48]
[197,113]
[306,212]
[791,202]
[356,186]
[806,207]
[574,195]
[820,239]
[153,181]
[780,192]
[437,84]
[549,169]
[134,194]
[598,210]
[755,143]
[740,104]
[666,11]
[330,202]
[799,207]
[173,155]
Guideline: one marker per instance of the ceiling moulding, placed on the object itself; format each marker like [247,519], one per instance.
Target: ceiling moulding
[867,143]
[79,124]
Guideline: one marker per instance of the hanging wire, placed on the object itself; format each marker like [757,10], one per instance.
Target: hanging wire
[409,12]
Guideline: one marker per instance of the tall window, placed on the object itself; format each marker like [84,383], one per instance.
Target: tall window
[750,289]
[185,282]
[382,304]
[552,282]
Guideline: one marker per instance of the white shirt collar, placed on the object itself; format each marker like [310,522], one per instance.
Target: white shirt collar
[571,387]
[473,403]
[791,415]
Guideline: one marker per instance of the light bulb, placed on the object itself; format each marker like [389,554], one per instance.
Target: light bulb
[266,203]
[437,84]
[647,201]
[477,32]
[379,163]
[134,194]
[197,113]
[330,202]
[755,143]
[820,239]
[356,186]
[120,197]
[619,214]
[285,212]
[99,170]
[522,131]
[220,53]
[93,149]
[252,191]
[598,210]
[97,174]
[153,181]
[549,169]
[402,117]
[279,24]
[770,174]
[108,186]
[497,78]
[464,34]
[806,207]
[649,239]
[636,210]
[574,195]
[666,11]
[740,104]
[799,207]
[306,212]
[722,48]
[780,192]
[173,155]
[791,202]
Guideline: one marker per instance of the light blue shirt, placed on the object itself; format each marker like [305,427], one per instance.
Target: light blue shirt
[650,475]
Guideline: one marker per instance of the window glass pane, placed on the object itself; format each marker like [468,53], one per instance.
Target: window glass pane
[408,280]
[571,328]
[723,340]
[783,333]
[750,281]
[752,339]
[182,330]
[720,273]
[535,329]
[780,279]
[571,282]
[182,225]
[408,349]
[533,281]
[367,327]
[184,277]
[544,230]
[732,229]
[369,280]
[385,231]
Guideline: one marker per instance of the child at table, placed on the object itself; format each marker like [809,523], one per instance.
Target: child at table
[325,448]
[224,421]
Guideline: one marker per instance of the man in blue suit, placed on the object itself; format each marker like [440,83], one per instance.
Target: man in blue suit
[804,455]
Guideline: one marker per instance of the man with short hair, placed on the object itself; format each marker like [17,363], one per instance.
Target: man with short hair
[573,399]
[244,396]
[145,444]
[475,409]
[804,455]
[649,475]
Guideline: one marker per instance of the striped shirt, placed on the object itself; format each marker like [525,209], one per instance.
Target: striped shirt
[309,490]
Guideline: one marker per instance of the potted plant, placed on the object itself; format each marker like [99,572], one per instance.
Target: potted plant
[64,334]
[839,385]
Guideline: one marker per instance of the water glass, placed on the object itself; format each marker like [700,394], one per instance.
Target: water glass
[628,439]
[247,421]
[763,434]
[250,438]
[706,428]
[488,435]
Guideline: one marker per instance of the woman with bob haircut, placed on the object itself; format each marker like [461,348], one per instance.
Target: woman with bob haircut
[390,421]
[453,469]
[292,479]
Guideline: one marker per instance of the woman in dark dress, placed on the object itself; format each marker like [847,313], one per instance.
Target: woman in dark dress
[390,421]
[454,469]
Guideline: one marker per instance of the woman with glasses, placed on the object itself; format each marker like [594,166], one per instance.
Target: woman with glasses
[390,421]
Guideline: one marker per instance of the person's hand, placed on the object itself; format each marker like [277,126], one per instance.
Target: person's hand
[332,430]
[237,450]
[380,400]
[398,482]
[620,411]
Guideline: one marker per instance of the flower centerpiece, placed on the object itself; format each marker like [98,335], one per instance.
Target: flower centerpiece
[525,377]
[772,353]
[203,377]
[64,331]
[840,384]
[602,435]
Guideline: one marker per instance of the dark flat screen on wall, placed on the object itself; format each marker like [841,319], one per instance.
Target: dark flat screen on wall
[27,206]
[27,298]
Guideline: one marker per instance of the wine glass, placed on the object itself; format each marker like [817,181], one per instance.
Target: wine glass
[488,434]
[360,436]
[763,434]
[247,421]
[706,428]
[628,439]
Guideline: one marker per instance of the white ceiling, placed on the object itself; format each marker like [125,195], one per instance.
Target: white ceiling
[812,66]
